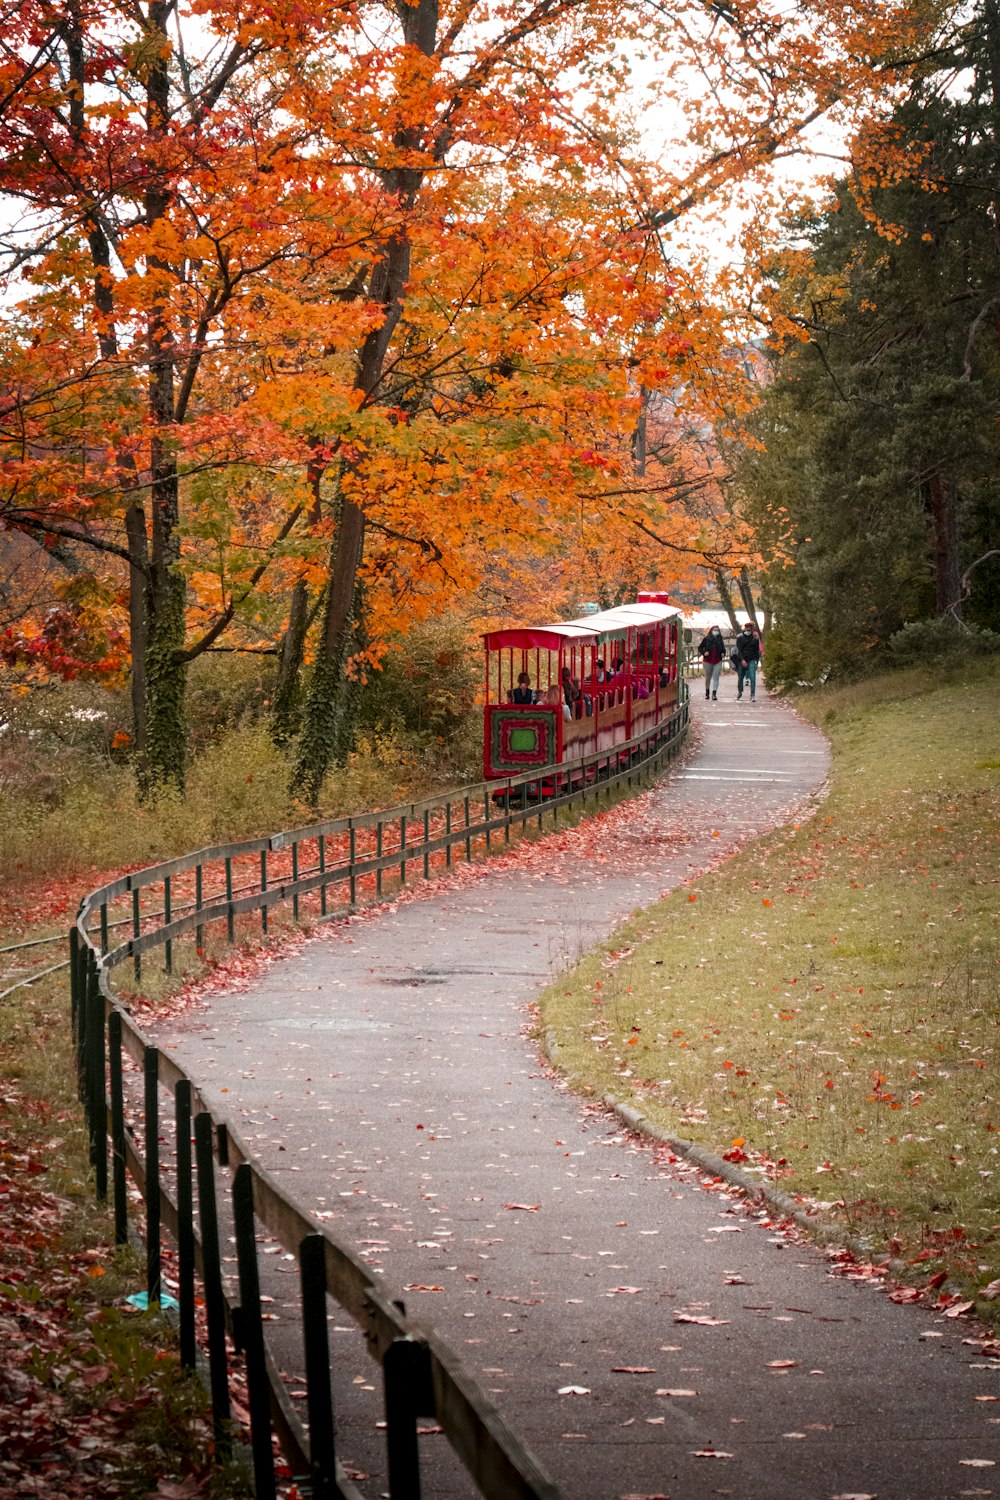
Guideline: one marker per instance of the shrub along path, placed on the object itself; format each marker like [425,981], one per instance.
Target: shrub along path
[646,1331]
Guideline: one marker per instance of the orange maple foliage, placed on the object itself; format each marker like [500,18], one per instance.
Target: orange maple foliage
[382,292]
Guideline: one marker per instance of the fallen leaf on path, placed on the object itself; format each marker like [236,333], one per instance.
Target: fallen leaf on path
[632,1370]
[710,1453]
[988,1293]
[529,1208]
[627,1290]
[957,1309]
[574,1390]
[703,1321]
[978,1463]
[782,1364]
[668,1392]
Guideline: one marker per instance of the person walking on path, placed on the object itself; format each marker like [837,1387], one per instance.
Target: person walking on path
[747,651]
[712,651]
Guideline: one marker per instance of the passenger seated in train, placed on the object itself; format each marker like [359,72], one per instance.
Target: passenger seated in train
[524,693]
[574,697]
[552,697]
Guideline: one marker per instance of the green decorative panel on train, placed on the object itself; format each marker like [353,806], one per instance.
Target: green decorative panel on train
[521,738]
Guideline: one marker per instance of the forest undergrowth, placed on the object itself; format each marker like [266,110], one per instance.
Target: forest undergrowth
[823,1008]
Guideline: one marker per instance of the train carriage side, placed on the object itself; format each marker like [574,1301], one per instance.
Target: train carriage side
[559,692]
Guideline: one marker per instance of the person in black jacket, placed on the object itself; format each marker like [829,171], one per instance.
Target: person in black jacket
[712,650]
[523,693]
[747,651]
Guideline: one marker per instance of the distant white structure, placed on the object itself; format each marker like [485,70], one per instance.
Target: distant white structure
[699,621]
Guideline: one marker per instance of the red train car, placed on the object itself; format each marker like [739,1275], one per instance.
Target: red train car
[593,683]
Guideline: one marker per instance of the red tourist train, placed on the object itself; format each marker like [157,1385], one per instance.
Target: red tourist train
[556,693]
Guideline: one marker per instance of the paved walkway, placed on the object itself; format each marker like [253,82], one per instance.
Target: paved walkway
[386,1066]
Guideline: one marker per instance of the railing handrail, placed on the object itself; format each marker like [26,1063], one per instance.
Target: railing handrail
[422,1376]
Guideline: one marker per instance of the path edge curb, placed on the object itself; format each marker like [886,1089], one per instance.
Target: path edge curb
[752,1188]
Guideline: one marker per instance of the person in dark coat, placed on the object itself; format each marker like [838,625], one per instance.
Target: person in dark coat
[523,693]
[712,651]
[747,649]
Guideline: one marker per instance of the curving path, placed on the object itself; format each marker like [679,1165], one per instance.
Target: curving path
[386,1065]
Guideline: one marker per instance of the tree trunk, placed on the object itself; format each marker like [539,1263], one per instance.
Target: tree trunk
[286,708]
[725,595]
[746,594]
[286,711]
[947,573]
[138,619]
[107,340]
[328,711]
[166,668]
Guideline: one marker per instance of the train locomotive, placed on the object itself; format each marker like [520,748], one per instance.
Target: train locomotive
[558,693]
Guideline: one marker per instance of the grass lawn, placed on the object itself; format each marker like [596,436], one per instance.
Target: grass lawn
[824,1008]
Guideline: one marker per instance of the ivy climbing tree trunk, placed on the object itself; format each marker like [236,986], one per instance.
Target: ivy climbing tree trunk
[286,709]
[329,709]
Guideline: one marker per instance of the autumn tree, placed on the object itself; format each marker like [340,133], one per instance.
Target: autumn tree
[323,314]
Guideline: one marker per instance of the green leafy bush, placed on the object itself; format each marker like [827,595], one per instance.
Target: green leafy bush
[942,638]
[425,693]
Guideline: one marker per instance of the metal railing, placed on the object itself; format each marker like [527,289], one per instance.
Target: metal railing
[334,865]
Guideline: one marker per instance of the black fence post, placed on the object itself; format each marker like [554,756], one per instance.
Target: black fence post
[319,1397]
[82,991]
[408,1394]
[168,947]
[117,1127]
[230,916]
[199,932]
[211,1276]
[74,981]
[96,1085]
[252,1334]
[136,933]
[185,1222]
[151,1102]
